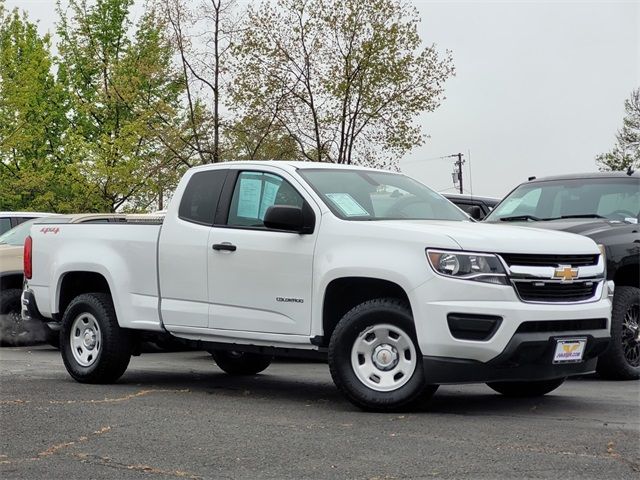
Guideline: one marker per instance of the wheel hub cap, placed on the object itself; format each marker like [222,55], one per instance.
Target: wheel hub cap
[89,339]
[85,339]
[385,357]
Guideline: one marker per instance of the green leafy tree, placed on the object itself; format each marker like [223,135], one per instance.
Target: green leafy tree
[257,138]
[345,80]
[34,172]
[123,96]
[626,152]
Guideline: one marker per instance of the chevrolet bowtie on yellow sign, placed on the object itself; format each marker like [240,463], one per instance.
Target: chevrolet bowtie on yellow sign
[566,273]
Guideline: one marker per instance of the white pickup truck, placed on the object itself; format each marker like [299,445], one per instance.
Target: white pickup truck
[372,270]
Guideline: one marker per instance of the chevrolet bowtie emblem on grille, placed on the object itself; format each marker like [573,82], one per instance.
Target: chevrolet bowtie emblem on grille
[566,273]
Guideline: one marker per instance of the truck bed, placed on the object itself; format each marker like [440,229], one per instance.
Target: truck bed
[123,253]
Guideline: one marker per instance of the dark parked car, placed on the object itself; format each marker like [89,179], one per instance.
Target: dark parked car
[606,208]
[476,207]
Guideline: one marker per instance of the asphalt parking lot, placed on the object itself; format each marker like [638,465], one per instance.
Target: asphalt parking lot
[176,415]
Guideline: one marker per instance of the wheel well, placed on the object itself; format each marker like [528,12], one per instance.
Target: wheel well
[343,294]
[628,276]
[77,283]
[13,280]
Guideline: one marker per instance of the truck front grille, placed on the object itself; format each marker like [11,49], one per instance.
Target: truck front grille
[555,278]
[530,260]
[555,291]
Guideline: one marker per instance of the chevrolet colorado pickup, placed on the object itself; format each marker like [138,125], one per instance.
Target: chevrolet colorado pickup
[396,287]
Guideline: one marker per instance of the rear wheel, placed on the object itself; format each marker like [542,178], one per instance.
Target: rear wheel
[241,363]
[94,347]
[374,357]
[621,361]
[526,389]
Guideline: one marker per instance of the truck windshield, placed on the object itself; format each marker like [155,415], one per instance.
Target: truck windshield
[610,198]
[371,195]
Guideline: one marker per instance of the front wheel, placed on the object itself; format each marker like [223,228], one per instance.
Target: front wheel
[526,389]
[94,347]
[621,361]
[241,363]
[374,357]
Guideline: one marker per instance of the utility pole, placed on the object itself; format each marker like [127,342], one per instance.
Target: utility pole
[457,170]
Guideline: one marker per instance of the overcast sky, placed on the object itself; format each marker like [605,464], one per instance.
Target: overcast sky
[539,90]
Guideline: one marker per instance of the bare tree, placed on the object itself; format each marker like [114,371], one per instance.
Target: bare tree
[203,35]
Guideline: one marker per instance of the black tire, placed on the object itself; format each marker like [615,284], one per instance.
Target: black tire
[526,389]
[351,329]
[115,346]
[621,360]
[14,331]
[241,363]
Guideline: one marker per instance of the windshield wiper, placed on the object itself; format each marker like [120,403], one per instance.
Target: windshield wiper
[580,215]
[515,218]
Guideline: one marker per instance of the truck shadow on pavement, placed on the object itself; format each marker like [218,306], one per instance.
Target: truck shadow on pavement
[311,385]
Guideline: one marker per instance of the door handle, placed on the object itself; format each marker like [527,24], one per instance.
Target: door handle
[229,247]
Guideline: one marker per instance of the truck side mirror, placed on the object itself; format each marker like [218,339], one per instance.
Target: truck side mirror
[475,212]
[290,218]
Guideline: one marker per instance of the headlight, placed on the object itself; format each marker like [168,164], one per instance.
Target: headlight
[478,267]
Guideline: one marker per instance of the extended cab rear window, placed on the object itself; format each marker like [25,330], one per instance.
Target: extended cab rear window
[200,198]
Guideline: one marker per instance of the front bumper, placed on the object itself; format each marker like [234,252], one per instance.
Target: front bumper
[528,357]
[437,299]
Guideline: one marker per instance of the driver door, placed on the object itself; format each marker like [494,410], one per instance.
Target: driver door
[260,280]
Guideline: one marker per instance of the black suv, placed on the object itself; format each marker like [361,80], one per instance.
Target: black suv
[606,208]
[476,207]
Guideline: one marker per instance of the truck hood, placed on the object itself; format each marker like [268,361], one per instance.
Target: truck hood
[487,237]
[10,258]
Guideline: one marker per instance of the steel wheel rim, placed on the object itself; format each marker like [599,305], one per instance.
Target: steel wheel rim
[631,335]
[383,357]
[85,339]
